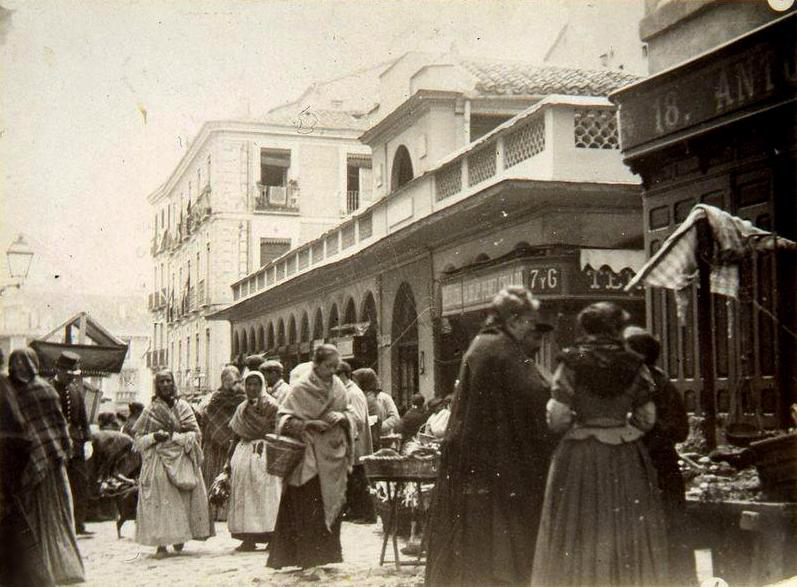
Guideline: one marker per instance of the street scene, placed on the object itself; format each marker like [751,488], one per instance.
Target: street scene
[398,294]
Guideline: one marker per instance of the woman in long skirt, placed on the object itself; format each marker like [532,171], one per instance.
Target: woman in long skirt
[254,494]
[602,521]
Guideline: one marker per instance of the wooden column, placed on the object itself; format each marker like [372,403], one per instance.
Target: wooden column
[705,333]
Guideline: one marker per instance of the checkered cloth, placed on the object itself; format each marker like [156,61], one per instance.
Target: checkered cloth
[674,266]
[218,413]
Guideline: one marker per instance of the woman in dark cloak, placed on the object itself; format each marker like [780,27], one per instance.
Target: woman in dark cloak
[495,455]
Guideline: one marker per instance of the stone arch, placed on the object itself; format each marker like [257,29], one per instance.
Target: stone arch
[404,349]
[401,170]
[334,319]
[244,342]
[368,311]
[252,341]
[318,325]
[261,339]
[281,333]
[292,330]
[304,328]
[350,313]
[270,342]
[236,345]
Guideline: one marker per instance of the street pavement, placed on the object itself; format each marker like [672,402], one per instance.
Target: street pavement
[112,562]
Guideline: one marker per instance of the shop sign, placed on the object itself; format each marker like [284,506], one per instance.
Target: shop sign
[545,279]
[481,289]
[345,347]
[753,73]
[605,282]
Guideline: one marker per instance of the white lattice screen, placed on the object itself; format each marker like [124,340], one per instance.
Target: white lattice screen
[527,141]
[596,129]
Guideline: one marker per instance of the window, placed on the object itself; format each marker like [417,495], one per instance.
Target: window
[274,165]
[271,248]
[358,181]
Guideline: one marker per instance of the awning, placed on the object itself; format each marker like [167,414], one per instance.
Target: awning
[616,259]
[95,360]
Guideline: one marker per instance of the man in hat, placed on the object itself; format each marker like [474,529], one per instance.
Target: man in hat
[73,404]
[272,372]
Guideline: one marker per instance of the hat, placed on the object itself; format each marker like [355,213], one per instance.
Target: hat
[253,362]
[68,361]
[271,365]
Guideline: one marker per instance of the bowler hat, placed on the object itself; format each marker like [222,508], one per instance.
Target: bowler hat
[68,361]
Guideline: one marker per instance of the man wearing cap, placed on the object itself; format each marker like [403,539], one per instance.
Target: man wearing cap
[495,454]
[67,383]
[272,372]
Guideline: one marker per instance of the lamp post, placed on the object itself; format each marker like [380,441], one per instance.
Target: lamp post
[20,256]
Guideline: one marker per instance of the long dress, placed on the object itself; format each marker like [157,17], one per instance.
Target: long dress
[308,524]
[37,525]
[494,460]
[217,436]
[254,493]
[172,500]
[602,522]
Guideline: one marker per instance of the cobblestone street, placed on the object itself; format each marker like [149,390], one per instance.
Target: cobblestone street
[123,563]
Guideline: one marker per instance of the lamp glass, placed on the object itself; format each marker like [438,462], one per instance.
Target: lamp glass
[19,256]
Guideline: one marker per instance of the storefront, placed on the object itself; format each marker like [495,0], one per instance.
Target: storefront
[564,279]
[720,130]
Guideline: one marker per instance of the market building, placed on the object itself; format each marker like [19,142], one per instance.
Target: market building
[244,193]
[484,174]
[715,124]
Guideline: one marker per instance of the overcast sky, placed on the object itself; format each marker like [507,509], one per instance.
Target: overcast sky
[99,99]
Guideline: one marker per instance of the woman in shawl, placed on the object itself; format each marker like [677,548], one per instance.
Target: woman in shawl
[494,456]
[254,494]
[381,407]
[215,420]
[602,521]
[315,411]
[172,500]
[36,501]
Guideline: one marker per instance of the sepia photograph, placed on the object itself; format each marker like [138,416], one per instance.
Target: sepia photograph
[409,293]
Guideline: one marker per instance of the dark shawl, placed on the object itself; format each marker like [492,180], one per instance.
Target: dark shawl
[602,366]
[219,411]
[45,425]
[494,464]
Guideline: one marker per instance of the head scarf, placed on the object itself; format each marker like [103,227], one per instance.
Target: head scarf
[45,425]
[253,422]
[603,366]
[220,408]
[367,380]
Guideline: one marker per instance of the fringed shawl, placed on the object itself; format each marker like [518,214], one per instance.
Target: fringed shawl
[253,422]
[219,411]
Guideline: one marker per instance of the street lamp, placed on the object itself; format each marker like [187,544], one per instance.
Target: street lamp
[19,256]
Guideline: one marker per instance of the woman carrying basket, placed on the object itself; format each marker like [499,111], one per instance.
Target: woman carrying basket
[254,493]
[316,412]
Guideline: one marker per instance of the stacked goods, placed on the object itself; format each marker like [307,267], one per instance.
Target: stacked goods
[717,482]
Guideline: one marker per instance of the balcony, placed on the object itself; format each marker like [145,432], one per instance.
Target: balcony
[271,198]
[562,141]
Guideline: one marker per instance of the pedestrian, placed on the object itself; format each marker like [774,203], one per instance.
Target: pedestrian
[380,404]
[277,388]
[217,436]
[173,501]
[495,455]
[671,427]
[316,411]
[437,422]
[360,506]
[254,493]
[602,522]
[37,524]
[252,363]
[135,409]
[73,404]
[412,420]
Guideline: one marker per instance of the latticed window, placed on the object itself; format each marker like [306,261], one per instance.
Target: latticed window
[448,181]
[525,142]
[366,226]
[481,165]
[332,244]
[318,252]
[304,259]
[348,236]
[596,129]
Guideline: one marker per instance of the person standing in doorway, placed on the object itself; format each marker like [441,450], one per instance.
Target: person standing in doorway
[73,405]
[494,456]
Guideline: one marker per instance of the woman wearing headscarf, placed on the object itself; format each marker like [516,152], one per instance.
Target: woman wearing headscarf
[494,456]
[36,501]
[602,522]
[172,500]
[672,426]
[380,404]
[315,411]
[254,494]
[215,420]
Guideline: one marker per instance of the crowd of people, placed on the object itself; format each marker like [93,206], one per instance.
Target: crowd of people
[570,479]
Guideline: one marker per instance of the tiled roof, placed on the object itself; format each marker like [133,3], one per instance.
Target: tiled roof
[508,78]
[311,118]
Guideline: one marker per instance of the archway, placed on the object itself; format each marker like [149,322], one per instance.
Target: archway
[261,339]
[281,333]
[304,338]
[252,341]
[292,331]
[291,358]
[270,337]
[318,325]
[369,355]
[244,342]
[236,347]
[402,168]
[404,351]
[334,321]
[350,315]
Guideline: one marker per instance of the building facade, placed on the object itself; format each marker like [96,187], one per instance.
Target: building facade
[716,124]
[244,194]
[484,175]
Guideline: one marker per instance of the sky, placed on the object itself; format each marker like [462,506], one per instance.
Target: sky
[100,98]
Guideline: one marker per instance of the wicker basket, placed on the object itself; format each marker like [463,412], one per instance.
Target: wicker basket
[283,454]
